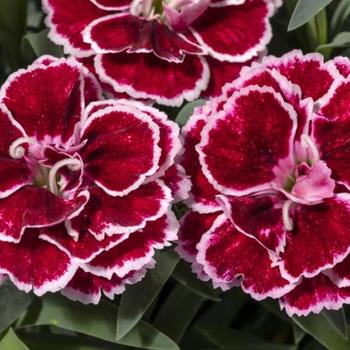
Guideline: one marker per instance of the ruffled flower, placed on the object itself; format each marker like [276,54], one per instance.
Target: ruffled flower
[166,51]
[270,200]
[84,200]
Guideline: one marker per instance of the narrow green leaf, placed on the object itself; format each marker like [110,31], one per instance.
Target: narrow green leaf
[340,15]
[172,321]
[13,16]
[10,341]
[98,321]
[41,44]
[337,320]
[13,303]
[298,334]
[186,111]
[233,339]
[304,11]
[340,40]
[137,298]
[185,276]
[319,328]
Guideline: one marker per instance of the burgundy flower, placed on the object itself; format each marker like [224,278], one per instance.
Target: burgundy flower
[167,51]
[82,202]
[269,163]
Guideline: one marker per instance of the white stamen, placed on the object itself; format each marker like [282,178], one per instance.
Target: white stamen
[287,221]
[307,142]
[16,150]
[72,164]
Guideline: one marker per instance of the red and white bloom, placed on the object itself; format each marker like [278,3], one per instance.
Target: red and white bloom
[164,50]
[269,163]
[83,205]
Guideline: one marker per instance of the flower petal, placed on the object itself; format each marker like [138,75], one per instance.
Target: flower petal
[235,33]
[110,5]
[343,65]
[227,254]
[340,273]
[117,215]
[178,182]
[313,295]
[36,265]
[203,194]
[35,207]
[258,218]
[121,149]
[42,102]
[67,20]
[241,146]
[324,226]
[135,252]
[158,77]
[87,288]
[309,72]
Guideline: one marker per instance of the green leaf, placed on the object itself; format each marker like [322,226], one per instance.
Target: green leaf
[187,111]
[337,320]
[13,16]
[137,298]
[304,11]
[98,321]
[340,15]
[340,40]
[41,44]
[319,328]
[172,322]
[298,334]
[233,339]
[10,341]
[13,303]
[185,276]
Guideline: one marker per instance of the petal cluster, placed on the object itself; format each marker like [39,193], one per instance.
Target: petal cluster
[270,198]
[184,48]
[86,184]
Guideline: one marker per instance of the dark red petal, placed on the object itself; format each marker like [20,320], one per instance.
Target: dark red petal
[343,65]
[34,207]
[227,254]
[116,215]
[43,102]
[319,240]
[82,248]
[112,4]
[330,130]
[259,218]
[86,287]
[137,251]
[313,76]
[178,182]
[235,33]
[242,145]
[203,195]
[340,273]
[36,265]
[122,148]
[158,77]
[313,295]
[67,20]
[220,74]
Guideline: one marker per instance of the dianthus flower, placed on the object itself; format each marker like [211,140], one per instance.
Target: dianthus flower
[163,50]
[270,204]
[82,202]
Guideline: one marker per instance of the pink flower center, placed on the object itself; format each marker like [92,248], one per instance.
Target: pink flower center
[304,180]
[47,176]
[177,14]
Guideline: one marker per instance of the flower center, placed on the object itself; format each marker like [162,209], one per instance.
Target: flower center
[47,176]
[177,14]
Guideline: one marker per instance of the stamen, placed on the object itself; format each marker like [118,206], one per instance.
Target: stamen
[72,164]
[16,150]
[307,142]
[287,221]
